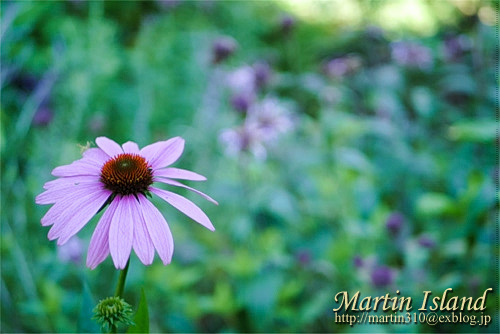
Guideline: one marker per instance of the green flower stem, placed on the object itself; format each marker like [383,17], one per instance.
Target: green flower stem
[119,289]
[121,281]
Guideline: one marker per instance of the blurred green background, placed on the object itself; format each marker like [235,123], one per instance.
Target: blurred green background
[374,168]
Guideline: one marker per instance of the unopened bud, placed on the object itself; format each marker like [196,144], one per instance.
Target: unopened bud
[223,47]
[111,311]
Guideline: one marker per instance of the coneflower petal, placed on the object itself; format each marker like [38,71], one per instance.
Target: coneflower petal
[99,243]
[59,191]
[176,173]
[163,153]
[121,232]
[185,206]
[71,219]
[71,180]
[77,168]
[178,184]
[143,245]
[130,147]
[95,156]
[110,147]
[158,230]
[67,202]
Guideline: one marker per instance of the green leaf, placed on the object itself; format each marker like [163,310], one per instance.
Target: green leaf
[141,318]
[85,323]
[223,299]
[474,130]
[434,204]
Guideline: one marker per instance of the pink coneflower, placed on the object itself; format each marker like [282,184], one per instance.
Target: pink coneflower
[121,176]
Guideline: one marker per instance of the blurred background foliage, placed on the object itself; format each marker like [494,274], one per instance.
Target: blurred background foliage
[373,166]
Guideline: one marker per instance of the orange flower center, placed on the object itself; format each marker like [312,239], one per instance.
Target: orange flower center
[127,174]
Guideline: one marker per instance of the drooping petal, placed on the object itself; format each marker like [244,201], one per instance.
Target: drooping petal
[178,184]
[76,168]
[121,232]
[158,230]
[99,243]
[177,173]
[163,153]
[59,191]
[143,245]
[96,156]
[130,147]
[68,201]
[71,180]
[86,213]
[77,215]
[185,206]
[59,209]
[109,146]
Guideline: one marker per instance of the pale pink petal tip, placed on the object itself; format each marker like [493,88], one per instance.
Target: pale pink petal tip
[95,156]
[185,206]
[158,230]
[109,146]
[163,153]
[130,147]
[178,184]
[177,173]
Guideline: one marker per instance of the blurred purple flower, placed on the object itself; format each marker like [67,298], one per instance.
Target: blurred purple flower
[71,251]
[168,4]
[262,73]
[303,257]
[287,24]
[342,66]
[395,223]
[265,121]
[222,48]
[270,117]
[454,47]
[242,81]
[97,124]
[241,102]
[382,276]
[243,139]
[357,261]
[248,79]
[43,116]
[474,282]
[426,241]
[412,55]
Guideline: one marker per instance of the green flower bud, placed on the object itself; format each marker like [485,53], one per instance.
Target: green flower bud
[111,311]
